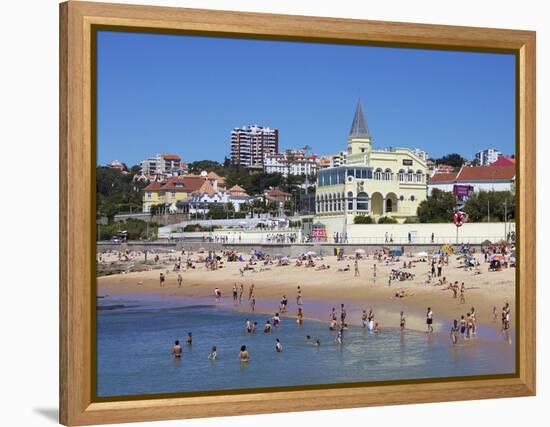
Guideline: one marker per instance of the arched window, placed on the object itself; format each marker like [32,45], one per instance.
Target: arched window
[378,174]
[387,175]
[350,201]
[410,175]
[401,175]
[389,205]
[418,176]
[362,201]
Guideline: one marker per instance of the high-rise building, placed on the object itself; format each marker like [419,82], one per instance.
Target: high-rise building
[250,144]
[487,156]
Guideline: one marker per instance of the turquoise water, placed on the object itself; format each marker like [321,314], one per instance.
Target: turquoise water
[134,341]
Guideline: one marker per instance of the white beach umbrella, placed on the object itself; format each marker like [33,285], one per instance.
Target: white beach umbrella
[360,251]
[422,254]
[312,253]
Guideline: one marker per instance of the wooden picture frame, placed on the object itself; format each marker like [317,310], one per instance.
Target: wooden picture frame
[77,218]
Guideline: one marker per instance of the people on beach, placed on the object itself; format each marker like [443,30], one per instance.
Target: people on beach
[243,354]
[253,303]
[343,313]
[370,320]
[429,320]
[462,291]
[251,291]
[235,292]
[356,267]
[241,291]
[402,321]
[180,280]
[276,320]
[299,296]
[177,350]
[161,279]
[454,332]
[217,294]
[300,316]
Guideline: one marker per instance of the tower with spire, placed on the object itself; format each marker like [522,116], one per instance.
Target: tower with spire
[359,138]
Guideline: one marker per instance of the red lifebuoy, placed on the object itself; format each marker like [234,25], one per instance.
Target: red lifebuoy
[458,218]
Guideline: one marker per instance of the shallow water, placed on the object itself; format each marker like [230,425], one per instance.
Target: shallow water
[134,351]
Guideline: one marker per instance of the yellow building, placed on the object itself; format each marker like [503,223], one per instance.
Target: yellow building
[378,183]
[171,191]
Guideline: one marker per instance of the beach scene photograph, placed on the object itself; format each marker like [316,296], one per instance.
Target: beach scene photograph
[281,215]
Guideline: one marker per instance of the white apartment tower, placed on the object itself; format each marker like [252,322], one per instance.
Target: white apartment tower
[250,145]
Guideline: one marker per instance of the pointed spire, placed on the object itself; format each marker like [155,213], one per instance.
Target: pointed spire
[359,127]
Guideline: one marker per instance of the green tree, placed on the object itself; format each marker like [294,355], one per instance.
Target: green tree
[490,205]
[117,191]
[439,207]
[387,220]
[363,219]
[453,159]
[206,165]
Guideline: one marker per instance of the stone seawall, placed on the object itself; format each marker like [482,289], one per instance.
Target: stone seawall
[291,250]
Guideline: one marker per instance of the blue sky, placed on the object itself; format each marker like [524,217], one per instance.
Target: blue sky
[184,94]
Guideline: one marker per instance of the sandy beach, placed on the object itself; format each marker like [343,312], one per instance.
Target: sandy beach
[323,289]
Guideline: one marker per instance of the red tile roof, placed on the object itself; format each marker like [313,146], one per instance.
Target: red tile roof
[486,173]
[443,177]
[186,184]
[170,156]
[504,161]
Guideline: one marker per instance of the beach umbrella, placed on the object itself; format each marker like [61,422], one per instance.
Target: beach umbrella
[360,251]
[422,254]
[311,253]
[279,255]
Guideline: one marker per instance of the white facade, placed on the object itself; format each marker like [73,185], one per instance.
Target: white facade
[250,144]
[291,163]
[160,164]
[487,156]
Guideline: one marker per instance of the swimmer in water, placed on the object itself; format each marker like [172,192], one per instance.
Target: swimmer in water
[278,346]
[402,321]
[213,353]
[176,350]
[243,354]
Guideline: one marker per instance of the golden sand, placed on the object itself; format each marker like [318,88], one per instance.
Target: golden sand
[327,288]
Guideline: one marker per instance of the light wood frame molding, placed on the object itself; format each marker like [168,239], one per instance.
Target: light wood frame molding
[77,219]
